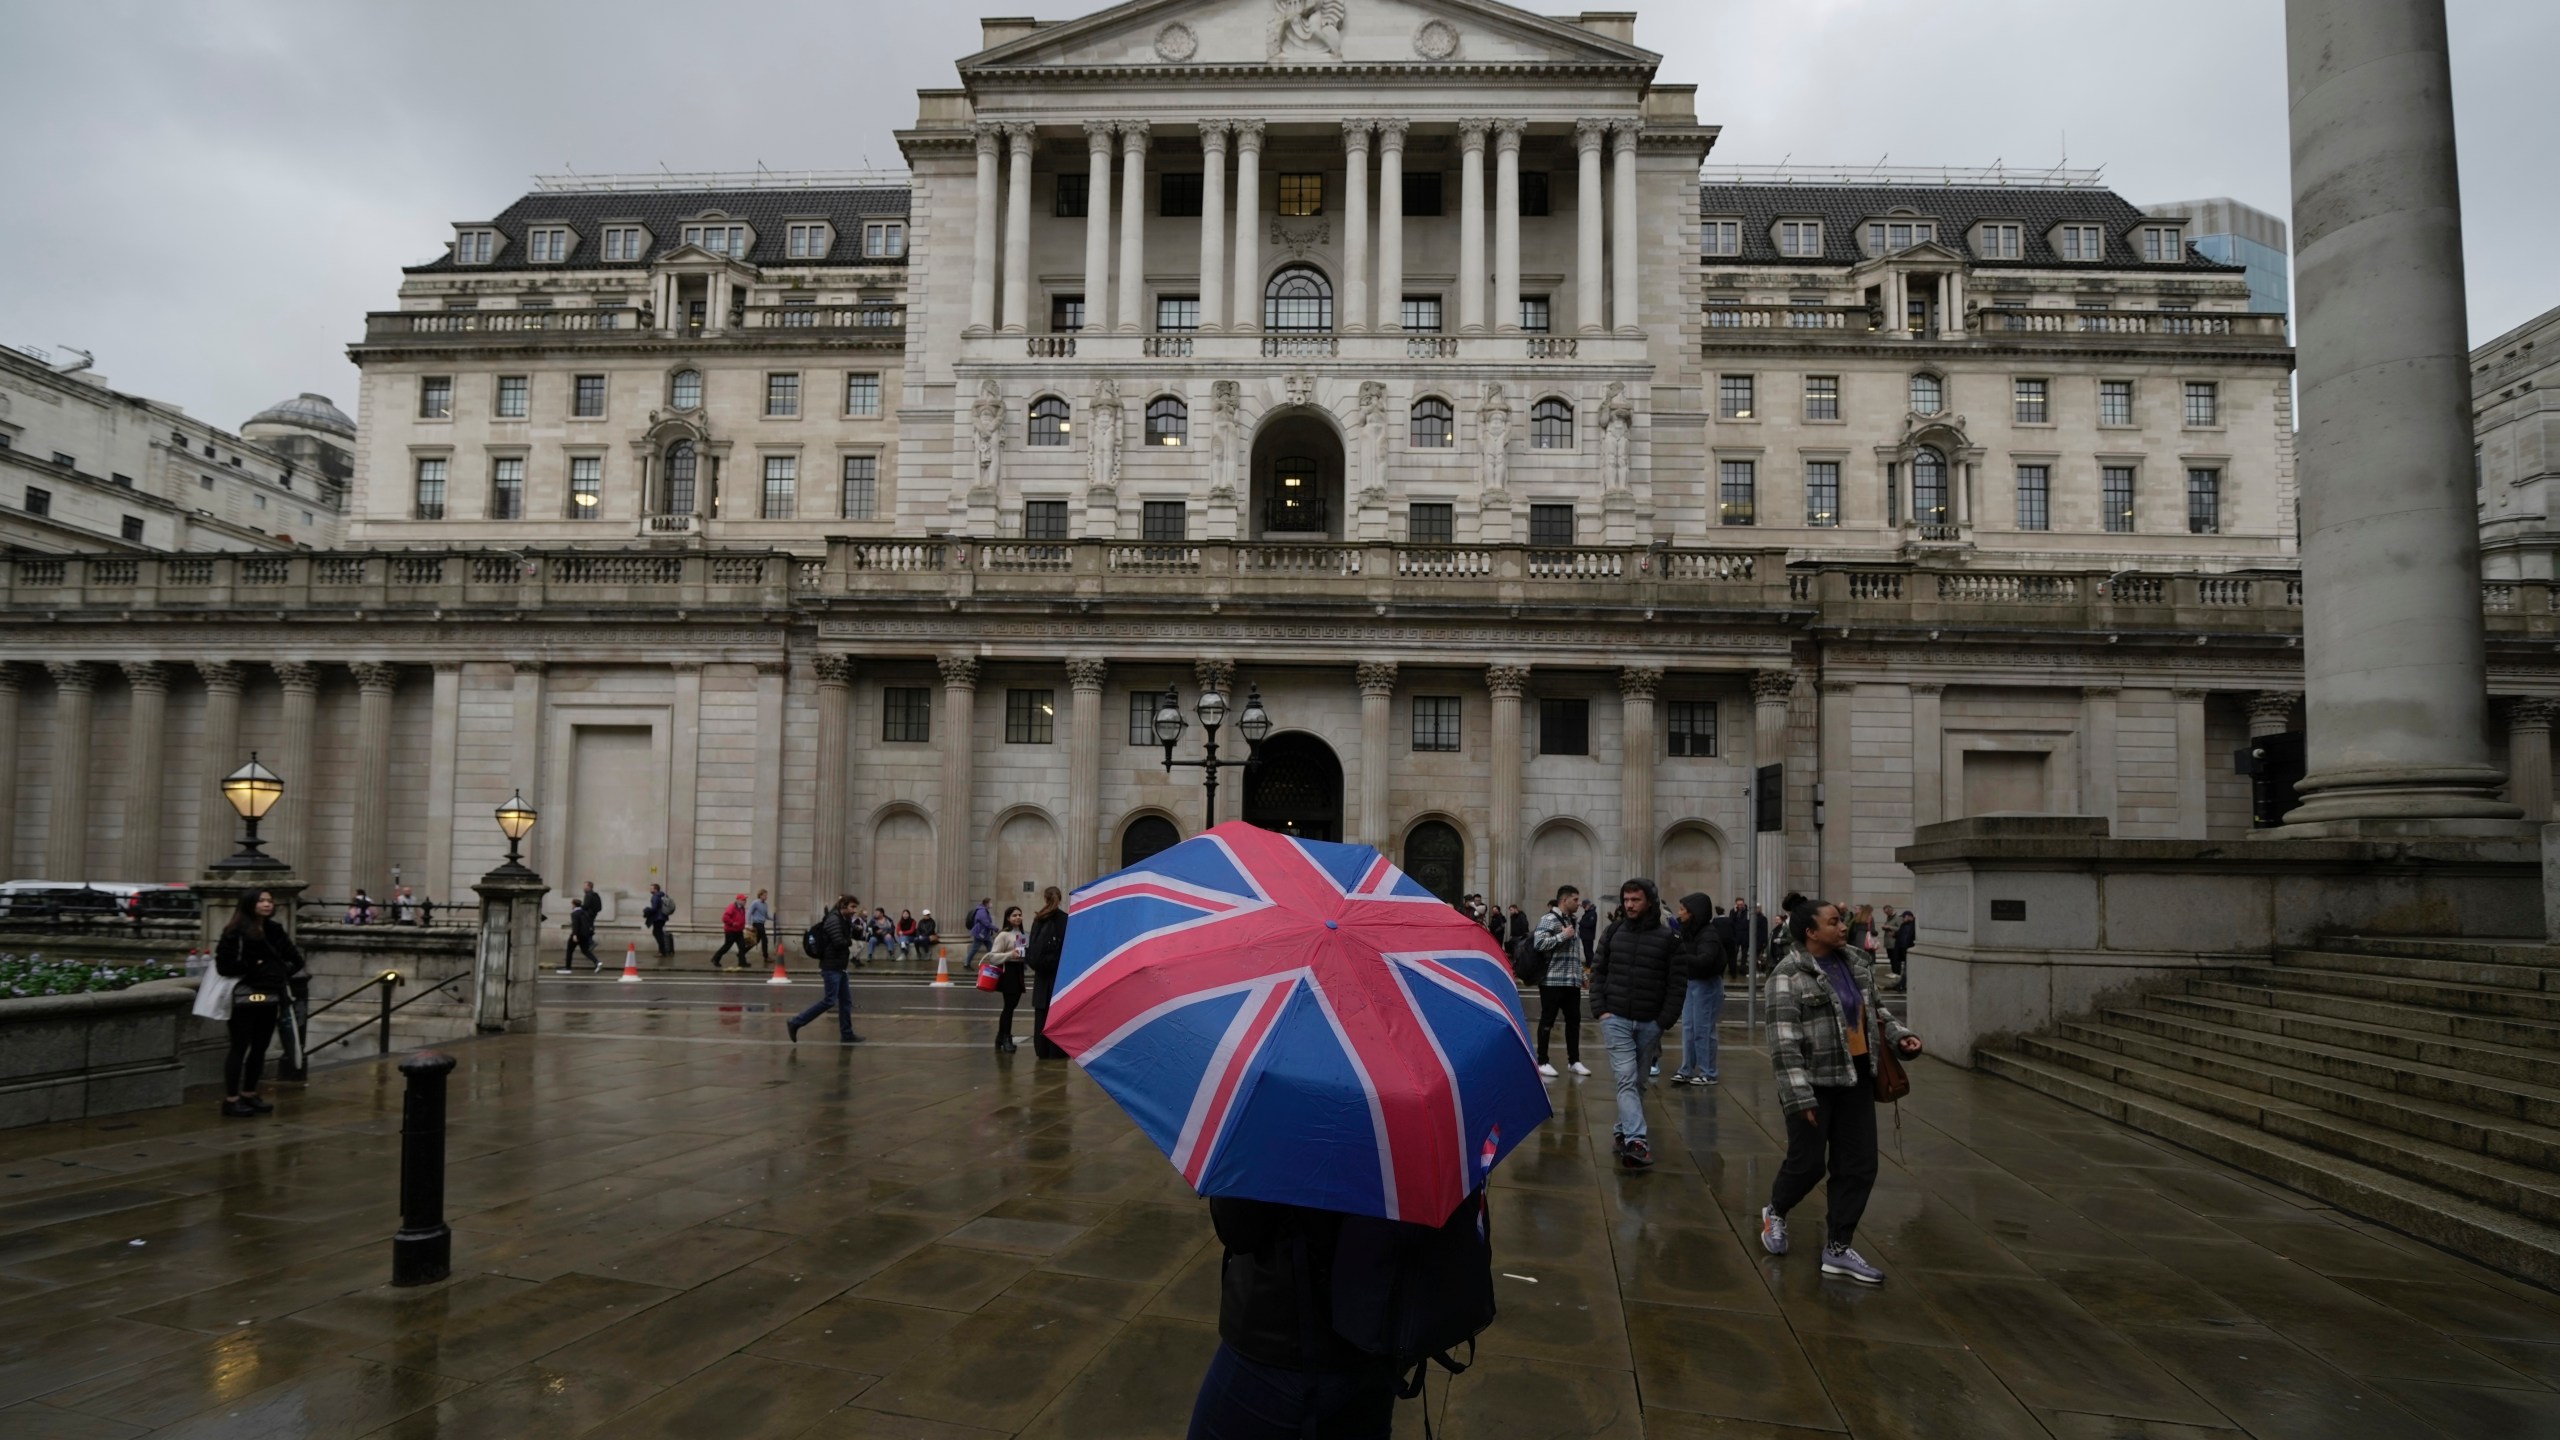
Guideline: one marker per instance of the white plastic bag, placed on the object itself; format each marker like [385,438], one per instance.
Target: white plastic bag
[213,996]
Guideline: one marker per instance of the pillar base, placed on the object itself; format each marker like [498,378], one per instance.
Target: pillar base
[2404,802]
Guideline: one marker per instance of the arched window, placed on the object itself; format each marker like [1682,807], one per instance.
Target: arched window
[1435,425]
[1436,857]
[1049,421]
[680,472]
[1928,394]
[1551,425]
[1299,299]
[1168,421]
[1296,503]
[684,390]
[1145,837]
[1929,487]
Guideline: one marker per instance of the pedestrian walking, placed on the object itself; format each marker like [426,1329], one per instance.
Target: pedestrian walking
[1047,945]
[759,930]
[1702,965]
[835,934]
[1824,1024]
[1281,1369]
[582,929]
[661,908]
[982,931]
[1559,939]
[733,932]
[1007,955]
[257,953]
[1634,990]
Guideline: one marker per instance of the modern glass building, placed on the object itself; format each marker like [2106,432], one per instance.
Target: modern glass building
[2236,234]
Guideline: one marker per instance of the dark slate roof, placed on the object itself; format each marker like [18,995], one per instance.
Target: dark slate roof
[664,213]
[1843,209]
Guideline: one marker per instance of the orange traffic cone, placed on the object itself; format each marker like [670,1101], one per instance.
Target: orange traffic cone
[941,967]
[630,964]
[781,952]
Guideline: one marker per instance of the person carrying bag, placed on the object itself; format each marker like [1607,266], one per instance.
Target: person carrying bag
[259,960]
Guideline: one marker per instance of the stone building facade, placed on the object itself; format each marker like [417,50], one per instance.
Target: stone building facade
[2515,428]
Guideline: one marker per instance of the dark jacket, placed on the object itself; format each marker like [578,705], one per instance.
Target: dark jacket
[1702,950]
[1275,1285]
[582,916]
[837,931]
[1589,920]
[1633,972]
[1048,944]
[261,963]
[1905,935]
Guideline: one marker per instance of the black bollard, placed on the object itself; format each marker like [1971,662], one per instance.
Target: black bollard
[422,1253]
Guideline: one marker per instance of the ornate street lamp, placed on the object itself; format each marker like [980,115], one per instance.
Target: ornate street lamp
[253,790]
[1255,722]
[515,819]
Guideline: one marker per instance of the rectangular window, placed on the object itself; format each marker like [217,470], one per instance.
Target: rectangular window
[1074,198]
[1723,237]
[884,240]
[1564,727]
[2035,402]
[808,242]
[1435,722]
[1030,716]
[2081,242]
[506,488]
[1691,725]
[861,497]
[2035,499]
[2204,404]
[1421,194]
[547,247]
[1534,193]
[127,481]
[1535,314]
[1734,399]
[1177,314]
[204,482]
[1164,522]
[430,491]
[67,462]
[1044,519]
[1142,716]
[39,500]
[2115,402]
[1822,397]
[906,714]
[1431,524]
[622,242]
[2115,498]
[782,395]
[1422,314]
[1801,238]
[1551,525]
[729,240]
[515,394]
[1066,314]
[2204,502]
[1178,195]
[1822,493]
[587,397]
[435,397]
[474,247]
[1999,242]
[133,528]
[2161,243]
[586,487]
[1302,194]
[1737,492]
[1886,237]
[862,395]
[781,486]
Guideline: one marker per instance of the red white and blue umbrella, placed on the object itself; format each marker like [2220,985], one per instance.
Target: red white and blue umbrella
[1300,1022]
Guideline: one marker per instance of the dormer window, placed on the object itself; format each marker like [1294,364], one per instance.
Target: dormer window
[1885,237]
[2080,242]
[548,245]
[884,240]
[624,242]
[1800,238]
[474,247]
[810,240]
[2162,244]
[1998,241]
[1722,237]
[727,240]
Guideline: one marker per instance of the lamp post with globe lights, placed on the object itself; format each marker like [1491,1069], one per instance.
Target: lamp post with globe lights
[506,995]
[1254,722]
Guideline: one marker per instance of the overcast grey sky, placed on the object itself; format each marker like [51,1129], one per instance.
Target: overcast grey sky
[211,195]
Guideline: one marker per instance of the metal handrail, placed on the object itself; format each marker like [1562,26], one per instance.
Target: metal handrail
[384,984]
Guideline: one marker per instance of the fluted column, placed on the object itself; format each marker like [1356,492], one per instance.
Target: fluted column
[1928,755]
[369,864]
[1377,744]
[1506,226]
[835,760]
[1838,778]
[1506,683]
[1017,229]
[2529,757]
[1133,231]
[1355,224]
[1589,136]
[146,763]
[1471,226]
[1770,691]
[982,278]
[1213,225]
[1086,675]
[955,826]
[222,755]
[1097,222]
[1391,224]
[292,829]
[1622,223]
[66,846]
[2098,754]
[1636,685]
[1246,302]
[8,767]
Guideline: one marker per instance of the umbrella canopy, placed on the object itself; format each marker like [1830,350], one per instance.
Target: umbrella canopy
[1298,1021]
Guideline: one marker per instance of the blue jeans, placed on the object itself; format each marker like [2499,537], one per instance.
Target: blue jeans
[1702,1009]
[1244,1399]
[1634,1047]
[838,994]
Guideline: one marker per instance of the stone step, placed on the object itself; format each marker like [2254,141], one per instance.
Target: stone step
[2489,1095]
[2522,951]
[2448,970]
[2371,1036]
[2517,1142]
[2490,1233]
[2470,999]
[2448,1024]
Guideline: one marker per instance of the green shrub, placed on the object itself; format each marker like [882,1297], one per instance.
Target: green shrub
[35,975]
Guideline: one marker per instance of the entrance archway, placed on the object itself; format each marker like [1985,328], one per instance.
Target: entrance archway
[1297,479]
[1435,855]
[1147,835]
[1296,788]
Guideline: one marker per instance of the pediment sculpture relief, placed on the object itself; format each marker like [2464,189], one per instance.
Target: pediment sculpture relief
[1297,26]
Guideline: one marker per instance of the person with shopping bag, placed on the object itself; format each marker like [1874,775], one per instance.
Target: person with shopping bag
[259,960]
[1005,960]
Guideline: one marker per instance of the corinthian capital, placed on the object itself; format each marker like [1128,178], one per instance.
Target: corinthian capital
[1248,136]
[1391,133]
[375,675]
[1087,672]
[1638,682]
[1507,682]
[834,669]
[959,672]
[1772,687]
[1377,677]
[1097,136]
[1590,134]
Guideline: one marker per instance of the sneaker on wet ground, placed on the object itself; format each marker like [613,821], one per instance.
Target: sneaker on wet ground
[1578,1068]
[1546,1069]
[1773,1231]
[1636,1155]
[1841,1260]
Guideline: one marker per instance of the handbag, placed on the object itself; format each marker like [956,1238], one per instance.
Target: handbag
[1892,1080]
[213,995]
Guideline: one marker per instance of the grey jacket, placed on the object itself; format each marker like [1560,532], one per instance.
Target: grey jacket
[1808,1034]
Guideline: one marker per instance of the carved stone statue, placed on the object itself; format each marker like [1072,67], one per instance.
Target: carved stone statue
[1370,429]
[1617,436]
[1224,397]
[1104,441]
[1494,437]
[987,424]
[1316,23]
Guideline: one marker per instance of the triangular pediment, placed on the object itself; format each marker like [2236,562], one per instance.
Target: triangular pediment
[1189,34]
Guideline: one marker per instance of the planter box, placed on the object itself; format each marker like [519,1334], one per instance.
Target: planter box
[68,1057]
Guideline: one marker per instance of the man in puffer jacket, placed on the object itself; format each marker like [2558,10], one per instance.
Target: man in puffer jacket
[1636,989]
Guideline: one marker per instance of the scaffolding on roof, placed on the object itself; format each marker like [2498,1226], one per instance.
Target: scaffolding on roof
[2055,177]
[757,179]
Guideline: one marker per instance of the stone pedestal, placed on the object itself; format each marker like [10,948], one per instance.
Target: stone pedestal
[503,982]
[219,889]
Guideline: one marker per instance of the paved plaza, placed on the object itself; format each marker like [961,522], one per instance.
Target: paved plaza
[668,1221]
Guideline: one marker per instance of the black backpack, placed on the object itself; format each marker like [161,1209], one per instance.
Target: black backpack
[814,942]
[1527,965]
[1415,1293]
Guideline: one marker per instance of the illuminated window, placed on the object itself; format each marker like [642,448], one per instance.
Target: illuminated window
[1302,194]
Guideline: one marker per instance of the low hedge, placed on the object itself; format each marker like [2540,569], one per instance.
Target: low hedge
[22,976]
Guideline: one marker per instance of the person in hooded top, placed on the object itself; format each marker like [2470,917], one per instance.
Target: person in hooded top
[1703,959]
[1636,992]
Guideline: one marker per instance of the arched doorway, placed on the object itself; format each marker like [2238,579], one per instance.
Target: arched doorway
[1692,859]
[1026,858]
[1560,854]
[1295,787]
[1435,855]
[1297,479]
[1147,835]
[902,858]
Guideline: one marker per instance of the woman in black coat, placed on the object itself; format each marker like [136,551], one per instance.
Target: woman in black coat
[255,951]
[1048,945]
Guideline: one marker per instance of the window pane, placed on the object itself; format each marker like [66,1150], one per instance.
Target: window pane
[513,391]
[1551,425]
[1435,722]
[1928,394]
[590,397]
[1176,313]
[1737,492]
[1822,492]
[1044,520]
[906,714]
[1422,193]
[1431,524]
[1029,716]
[1723,237]
[1564,727]
[1164,522]
[1535,314]
[2204,502]
[1928,487]
[1302,194]
[862,395]
[1551,525]
[782,394]
[435,397]
[680,476]
[1298,299]
[1142,716]
[1435,424]
[2115,402]
[1533,193]
[1691,725]
[1075,194]
[861,497]
[781,486]
[2034,407]
[1168,421]
[1049,421]
[1066,313]
[431,475]
[2203,406]
[2034,499]
[1822,397]
[1422,312]
[586,487]
[1178,195]
[686,391]
[506,489]
[1734,397]
[2115,498]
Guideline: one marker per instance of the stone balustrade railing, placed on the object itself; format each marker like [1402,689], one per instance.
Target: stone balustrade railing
[2173,324]
[1105,347]
[616,323]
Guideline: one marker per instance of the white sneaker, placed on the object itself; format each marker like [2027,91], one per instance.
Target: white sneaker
[1578,1068]
[1547,1070]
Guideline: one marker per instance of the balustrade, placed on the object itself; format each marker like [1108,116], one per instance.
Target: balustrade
[2134,589]
[259,570]
[1050,347]
[737,569]
[2225,590]
[1337,560]
[1443,564]
[2010,589]
[1168,347]
[824,317]
[1577,564]
[1300,347]
[195,572]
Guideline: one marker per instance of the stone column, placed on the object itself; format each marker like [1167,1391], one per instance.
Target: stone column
[1086,675]
[1505,842]
[1213,225]
[2393,657]
[444,760]
[1770,690]
[2529,757]
[773,677]
[1355,224]
[1635,765]
[1097,223]
[828,876]
[290,822]
[66,848]
[215,818]
[2098,753]
[1245,305]
[955,826]
[2271,712]
[1839,780]
[1377,742]
[370,861]
[1928,756]
[1391,224]
[1622,225]
[1017,230]
[2192,800]
[146,762]
[1506,226]
[1133,232]
[1589,136]
[982,279]
[1471,226]
[8,767]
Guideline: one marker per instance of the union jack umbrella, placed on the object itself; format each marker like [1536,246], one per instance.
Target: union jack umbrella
[1300,1022]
